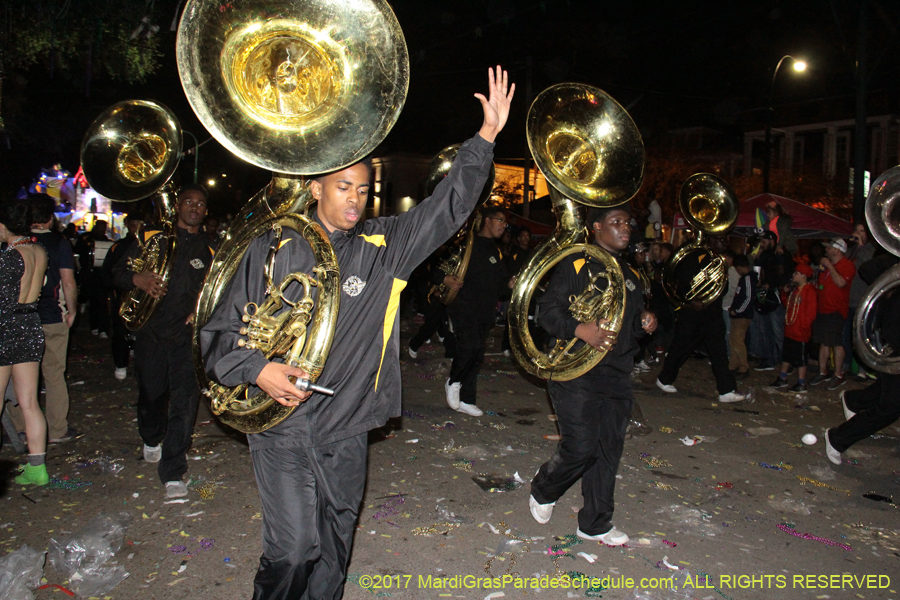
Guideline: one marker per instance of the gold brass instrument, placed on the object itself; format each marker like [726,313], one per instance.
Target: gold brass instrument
[884,222]
[129,153]
[710,206]
[590,152]
[456,261]
[299,88]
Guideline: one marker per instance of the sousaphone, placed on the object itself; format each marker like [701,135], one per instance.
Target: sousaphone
[129,153]
[299,88]
[883,217]
[591,153]
[456,260]
[710,206]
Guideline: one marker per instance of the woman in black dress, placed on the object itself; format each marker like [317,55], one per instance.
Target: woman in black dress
[22,266]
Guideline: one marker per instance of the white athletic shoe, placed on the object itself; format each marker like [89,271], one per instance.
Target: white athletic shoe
[121,373]
[152,454]
[732,397]
[540,512]
[667,388]
[848,414]
[176,489]
[470,409]
[833,455]
[412,353]
[613,537]
[642,366]
[452,391]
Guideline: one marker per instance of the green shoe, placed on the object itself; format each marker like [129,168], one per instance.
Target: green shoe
[33,475]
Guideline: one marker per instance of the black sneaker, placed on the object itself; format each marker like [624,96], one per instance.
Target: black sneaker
[779,384]
[799,388]
[837,382]
[764,368]
[70,435]
[819,378]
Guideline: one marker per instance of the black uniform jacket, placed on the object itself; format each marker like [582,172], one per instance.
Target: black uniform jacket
[376,259]
[193,255]
[570,278]
[484,284]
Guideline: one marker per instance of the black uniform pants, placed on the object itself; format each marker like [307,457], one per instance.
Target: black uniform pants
[167,400]
[98,301]
[310,499]
[471,332]
[435,322]
[592,414]
[694,329]
[121,344]
[876,407]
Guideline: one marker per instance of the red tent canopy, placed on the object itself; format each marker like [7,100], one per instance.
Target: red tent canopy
[809,223]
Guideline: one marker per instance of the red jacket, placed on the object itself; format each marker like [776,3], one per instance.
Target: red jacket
[800,313]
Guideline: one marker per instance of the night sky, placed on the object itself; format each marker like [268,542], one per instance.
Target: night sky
[671,64]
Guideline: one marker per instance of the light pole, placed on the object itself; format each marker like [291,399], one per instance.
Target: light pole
[197,150]
[799,66]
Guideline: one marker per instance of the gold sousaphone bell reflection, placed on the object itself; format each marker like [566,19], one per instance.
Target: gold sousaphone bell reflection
[302,87]
[131,150]
[298,88]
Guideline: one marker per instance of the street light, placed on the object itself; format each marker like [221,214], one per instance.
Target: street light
[799,66]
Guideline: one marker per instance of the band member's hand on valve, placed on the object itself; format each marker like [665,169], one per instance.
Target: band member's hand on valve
[151,283]
[595,335]
[453,282]
[273,380]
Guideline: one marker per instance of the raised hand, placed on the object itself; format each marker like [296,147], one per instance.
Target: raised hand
[496,105]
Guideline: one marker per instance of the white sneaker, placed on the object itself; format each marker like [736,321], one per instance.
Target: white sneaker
[833,455]
[103,335]
[412,353]
[848,414]
[732,397]
[470,409]
[642,366]
[540,512]
[507,353]
[95,332]
[176,489]
[121,373]
[669,389]
[152,454]
[440,339]
[452,391]
[613,537]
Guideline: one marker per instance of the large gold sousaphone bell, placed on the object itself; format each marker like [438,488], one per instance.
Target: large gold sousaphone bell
[590,152]
[456,260]
[710,206]
[129,153]
[883,217]
[299,88]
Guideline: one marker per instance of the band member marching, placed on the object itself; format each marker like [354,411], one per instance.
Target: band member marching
[311,468]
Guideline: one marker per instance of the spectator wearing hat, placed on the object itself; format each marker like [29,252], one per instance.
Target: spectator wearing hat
[800,312]
[767,330]
[833,307]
